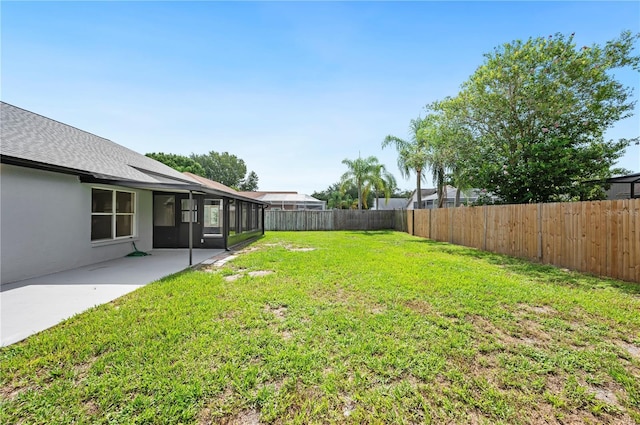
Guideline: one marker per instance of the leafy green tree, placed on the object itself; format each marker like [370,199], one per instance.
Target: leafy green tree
[538,111]
[413,155]
[250,183]
[224,168]
[449,144]
[361,173]
[178,162]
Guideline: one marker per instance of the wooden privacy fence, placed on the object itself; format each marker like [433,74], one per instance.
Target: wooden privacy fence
[600,237]
[335,220]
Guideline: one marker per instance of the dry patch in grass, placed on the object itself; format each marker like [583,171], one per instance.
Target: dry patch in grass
[349,406]
[256,273]
[378,309]
[246,417]
[290,247]
[420,306]
[9,392]
[633,350]
[91,408]
[259,273]
[280,314]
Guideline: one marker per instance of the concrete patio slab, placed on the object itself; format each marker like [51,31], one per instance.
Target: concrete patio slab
[32,305]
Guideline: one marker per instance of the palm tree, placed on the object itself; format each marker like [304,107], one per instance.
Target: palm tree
[361,174]
[384,182]
[339,200]
[450,145]
[437,153]
[413,154]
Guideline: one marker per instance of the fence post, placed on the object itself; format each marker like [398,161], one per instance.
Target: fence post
[450,225]
[413,223]
[540,250]
[484,245]
[430,222]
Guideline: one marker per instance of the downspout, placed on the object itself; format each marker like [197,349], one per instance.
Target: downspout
[262,208]
[190,228]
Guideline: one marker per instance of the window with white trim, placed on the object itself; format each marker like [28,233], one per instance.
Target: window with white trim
[112,214]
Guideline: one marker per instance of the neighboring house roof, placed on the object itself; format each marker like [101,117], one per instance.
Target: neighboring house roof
[450,193]
[260,193]
[414,196]
[287,197]
[40,141]
[390,204]
[284,198]
[427,192]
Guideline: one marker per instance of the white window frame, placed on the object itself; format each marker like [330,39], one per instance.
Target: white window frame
[114,214]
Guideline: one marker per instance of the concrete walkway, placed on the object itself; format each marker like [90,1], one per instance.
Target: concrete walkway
[32,305]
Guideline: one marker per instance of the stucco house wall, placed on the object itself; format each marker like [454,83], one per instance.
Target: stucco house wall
[45,222]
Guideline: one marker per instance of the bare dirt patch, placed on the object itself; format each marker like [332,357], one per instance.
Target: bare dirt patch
[91,408]
[280,312]
[249,249]
[633,350]
[420,306]
[259,273]
[489,328]
[533,333]
[528,332]
[349,407]
[232,277]
[292,248]
[606,395]
[378,309]
[204,417]
[538,310]
[277,385]
[246,417]
[10,392]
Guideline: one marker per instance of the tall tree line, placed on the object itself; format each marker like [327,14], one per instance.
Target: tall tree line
[528,125]
[222,167]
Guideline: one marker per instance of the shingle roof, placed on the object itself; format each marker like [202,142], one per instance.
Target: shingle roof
[32,137]
[219,187]
[212,184]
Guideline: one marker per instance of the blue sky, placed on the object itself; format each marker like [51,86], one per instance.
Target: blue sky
[293,88]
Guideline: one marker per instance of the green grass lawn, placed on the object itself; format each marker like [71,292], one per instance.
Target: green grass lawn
[365,327]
